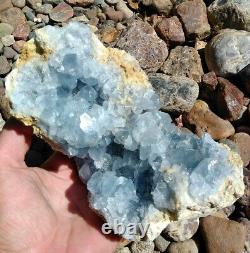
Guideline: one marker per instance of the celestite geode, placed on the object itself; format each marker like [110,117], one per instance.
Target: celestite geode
[97,105]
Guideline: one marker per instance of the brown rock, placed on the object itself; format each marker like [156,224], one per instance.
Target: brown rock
[246,223]
[208,86]
[230,100]
[141,41]
[193,15]
[242,140]
[184,61]
[222,235]
[34,3]
[22,31]
[204,120]
[18,45]
[12,16]
[170,30]
[4,104]
[82,3]
[62,12]
[5,4]
[4,65]
[114,15]
[109,34]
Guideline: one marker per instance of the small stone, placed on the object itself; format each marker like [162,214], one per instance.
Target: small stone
[54,2]
[4,65]
[177,94]
[222,235]
[123,250]
[245,77]
[142,247]
[81,3]
[170,30]
[162,6]
[204,120]
[5,29]
[18,45]
[44,9]
[22,31]
[242,140]
[94,22]
[9,53]
[121,6]
[188,246]
[114,15]
[200,45]
[79,11]
[29,13]
[8,40]
[109,34]
[229,210]
[1,47]
[193,15]
[34,3]
[112,2]
[182,230]
[62,12]
[161,243]
[91,13]
[44,18]
[210,80]
[228,52]
[184,61]
[82,18]
[2,122]
[19,3]
[12,16]
[230,100]
[233,14]
[141,41]
[5,4]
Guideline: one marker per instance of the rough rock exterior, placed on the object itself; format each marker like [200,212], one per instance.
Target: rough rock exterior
[97,105]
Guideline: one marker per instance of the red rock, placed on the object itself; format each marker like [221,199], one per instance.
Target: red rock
[82,3]
[193,15]
[208,86]
[114,15]
[12,16]
[5,4]
[62,12]
[230,100]
[170,30]
[22,31]
[141,41]
[18,45]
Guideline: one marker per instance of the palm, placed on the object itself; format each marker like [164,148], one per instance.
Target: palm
[45,210]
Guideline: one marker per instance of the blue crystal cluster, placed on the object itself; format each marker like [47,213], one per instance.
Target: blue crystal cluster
[130,154]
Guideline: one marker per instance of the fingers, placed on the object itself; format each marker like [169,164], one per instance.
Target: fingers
[15,140]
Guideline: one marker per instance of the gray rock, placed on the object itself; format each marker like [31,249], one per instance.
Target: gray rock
[245,77]
[1,47]
[34,3]
[123,250]
[121,6]
[112,1]
[161,243]
[142,247]
[29,13]
[5,29]
[9,53]
[52,1]
[188,246]
[2,122]
[184,61]
[228,52]
[4,65]
[44,9]
[182,230]
[141,41]
[233,14]
[19,3]
[8,40]
[62,12]
[177,94]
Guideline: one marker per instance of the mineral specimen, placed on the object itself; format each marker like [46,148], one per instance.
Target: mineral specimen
[97,105]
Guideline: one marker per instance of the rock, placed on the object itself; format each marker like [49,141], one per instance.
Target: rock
[82,18]
[184,61]
[181,230]
[45,18]
[193,15]
[109,34]
[245,77]
[229,210]
[52,1]
[230,100]
[62,12]
[242,141]
[29,13]
[188,246]
[114,15]
[34,3]
[5,29]
[141,41]
[246,223]
[44,9]
[205,120]
[208,87]
[2,122]
[1,47]
[177,94]
[228,52]
[162,6]
[142,247]
[222,235]
[161,243]
[18,45]
[123,250]
[8,40]
[121,6]
[233,14]
[81,3]
[112,2]
[170,30]
[19,3]
[4,65]
[22,31]
[5,4]
[12,16]
[9,53]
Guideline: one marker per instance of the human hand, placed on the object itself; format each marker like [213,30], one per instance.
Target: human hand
[44,210]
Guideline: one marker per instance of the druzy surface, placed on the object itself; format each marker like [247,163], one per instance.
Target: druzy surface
[97,105]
